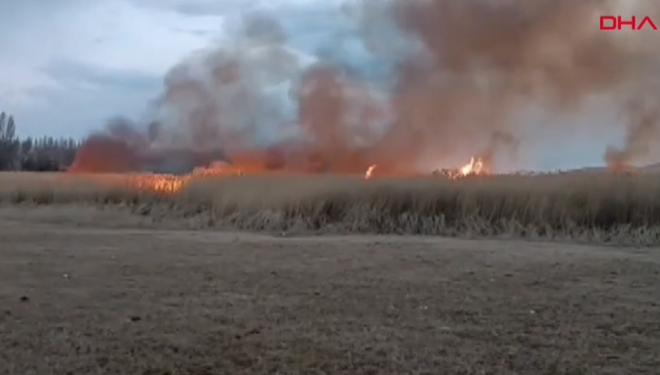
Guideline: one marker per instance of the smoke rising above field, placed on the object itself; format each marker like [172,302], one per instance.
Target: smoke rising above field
[449,79]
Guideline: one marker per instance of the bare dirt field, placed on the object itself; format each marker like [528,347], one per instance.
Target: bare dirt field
[83,293]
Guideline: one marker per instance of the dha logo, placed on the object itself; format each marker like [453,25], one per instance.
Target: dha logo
[617,23]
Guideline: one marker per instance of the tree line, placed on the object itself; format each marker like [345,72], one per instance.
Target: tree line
[33,154]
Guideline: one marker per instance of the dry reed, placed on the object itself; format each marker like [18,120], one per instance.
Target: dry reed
[589,207]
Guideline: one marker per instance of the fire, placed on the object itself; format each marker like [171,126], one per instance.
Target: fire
[370,171]
[171,184]
[474,167]
[157,183]
[165,183]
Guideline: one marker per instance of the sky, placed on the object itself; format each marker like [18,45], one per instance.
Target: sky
[67,66]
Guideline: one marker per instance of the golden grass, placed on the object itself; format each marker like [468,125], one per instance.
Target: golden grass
[590,207]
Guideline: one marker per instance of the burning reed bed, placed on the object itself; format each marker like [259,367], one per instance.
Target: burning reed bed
[590,207]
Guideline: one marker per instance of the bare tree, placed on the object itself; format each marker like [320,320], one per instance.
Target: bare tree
[8,142]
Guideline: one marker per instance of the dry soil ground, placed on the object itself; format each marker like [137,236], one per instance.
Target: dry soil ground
[83,293]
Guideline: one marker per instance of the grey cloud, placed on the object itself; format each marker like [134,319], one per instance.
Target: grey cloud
[197,32]
[73,111]
[198,7]
[70,71]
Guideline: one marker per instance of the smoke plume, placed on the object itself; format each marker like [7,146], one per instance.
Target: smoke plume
[456,75]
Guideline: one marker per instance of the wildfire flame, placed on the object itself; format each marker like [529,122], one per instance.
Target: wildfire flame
[166,183]
[368,174]
[474,167]
[158,183]
[171,184]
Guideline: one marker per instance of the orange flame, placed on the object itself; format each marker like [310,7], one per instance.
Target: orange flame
[370,171]
[474,167]
[171,184]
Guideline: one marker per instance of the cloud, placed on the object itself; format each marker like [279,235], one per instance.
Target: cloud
[54,53]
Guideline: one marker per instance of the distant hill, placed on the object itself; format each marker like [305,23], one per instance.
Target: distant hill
[652,168]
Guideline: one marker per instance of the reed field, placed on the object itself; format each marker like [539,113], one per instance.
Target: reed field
[600,207]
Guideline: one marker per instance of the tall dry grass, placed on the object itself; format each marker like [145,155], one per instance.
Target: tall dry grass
[590,207]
